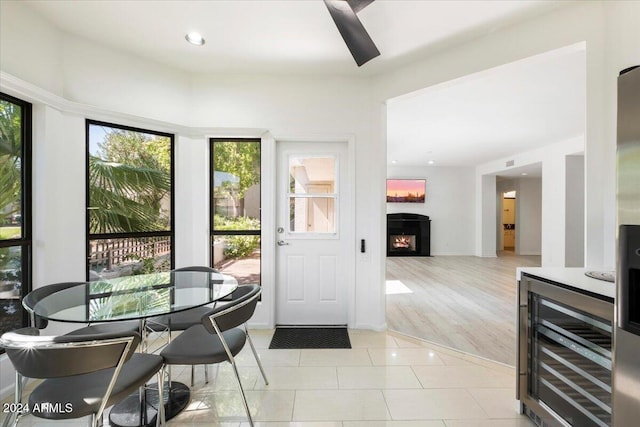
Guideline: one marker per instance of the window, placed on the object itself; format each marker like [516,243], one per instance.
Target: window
[312,194]
[129,201]
[235,208]
[15,211]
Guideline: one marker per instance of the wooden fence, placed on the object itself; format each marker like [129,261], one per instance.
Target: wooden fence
[105,254]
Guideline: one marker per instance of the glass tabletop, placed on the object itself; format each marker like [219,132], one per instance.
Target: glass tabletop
[134,297]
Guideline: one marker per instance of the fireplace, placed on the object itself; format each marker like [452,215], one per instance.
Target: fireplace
[408,235]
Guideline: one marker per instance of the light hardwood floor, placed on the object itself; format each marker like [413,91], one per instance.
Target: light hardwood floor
[463,302]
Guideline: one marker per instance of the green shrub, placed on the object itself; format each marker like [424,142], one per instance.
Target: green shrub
[238,246]
[239,223]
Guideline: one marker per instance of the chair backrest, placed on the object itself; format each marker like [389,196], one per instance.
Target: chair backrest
[238,311]
[38,294]
[197,268]
[67,355]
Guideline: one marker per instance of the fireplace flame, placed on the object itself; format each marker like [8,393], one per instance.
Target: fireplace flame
[401,242]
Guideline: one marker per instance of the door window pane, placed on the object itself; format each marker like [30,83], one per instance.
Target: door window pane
[312,175]
[312,215]
[312,194]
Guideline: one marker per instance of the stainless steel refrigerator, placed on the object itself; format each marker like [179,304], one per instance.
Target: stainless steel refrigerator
[626,357]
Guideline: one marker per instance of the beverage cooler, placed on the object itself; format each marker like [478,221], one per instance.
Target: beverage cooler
[565,355]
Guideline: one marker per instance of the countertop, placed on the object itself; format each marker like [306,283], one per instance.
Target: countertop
[573,277]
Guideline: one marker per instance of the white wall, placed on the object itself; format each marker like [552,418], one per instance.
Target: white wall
[59,207]
[450,202]
[529,216]
[192,202]
[486,213]
[26,39]
[574,212]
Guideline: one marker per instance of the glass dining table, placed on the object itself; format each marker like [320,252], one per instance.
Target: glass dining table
[141,298]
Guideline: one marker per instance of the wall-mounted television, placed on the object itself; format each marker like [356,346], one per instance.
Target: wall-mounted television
[406,190]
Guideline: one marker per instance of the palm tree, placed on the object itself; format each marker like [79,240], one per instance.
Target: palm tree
[10,159]
[125,198]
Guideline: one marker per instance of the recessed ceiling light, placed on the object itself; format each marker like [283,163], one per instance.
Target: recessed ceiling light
[524,174]
[394,161]
[195,38]
[431,162]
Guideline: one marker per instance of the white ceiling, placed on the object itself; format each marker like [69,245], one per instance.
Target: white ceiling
[279,36]
[476,119]
[491,115]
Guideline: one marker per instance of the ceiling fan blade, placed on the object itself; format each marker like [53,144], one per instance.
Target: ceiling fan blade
[352,31]
[358,5]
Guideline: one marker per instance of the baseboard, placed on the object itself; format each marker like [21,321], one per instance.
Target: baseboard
[530,253]
[453,254]
[259,325]
[488,256]
[371,327]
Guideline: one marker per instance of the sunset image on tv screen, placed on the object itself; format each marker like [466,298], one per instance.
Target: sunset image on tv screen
[405,190]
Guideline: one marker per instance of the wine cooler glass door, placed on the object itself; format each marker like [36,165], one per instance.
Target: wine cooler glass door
[570,362]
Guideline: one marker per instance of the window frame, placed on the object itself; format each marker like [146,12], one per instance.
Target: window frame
[101,236]
[25,242]
[212,230]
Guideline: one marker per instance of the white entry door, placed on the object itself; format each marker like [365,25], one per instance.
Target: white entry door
[313,234]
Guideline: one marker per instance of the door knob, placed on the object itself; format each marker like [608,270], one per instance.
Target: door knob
[282,243]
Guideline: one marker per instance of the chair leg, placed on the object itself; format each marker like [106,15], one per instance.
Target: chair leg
[95,421]
[232,360]
[206,374]
[255,354]
[244,398]
[8,421]
[160,417]
[169,367]
[17,399]
[193,369]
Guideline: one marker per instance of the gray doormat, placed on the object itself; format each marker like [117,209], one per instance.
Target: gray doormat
[305,337]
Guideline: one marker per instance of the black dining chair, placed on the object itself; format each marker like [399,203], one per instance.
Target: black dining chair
[183,320]
[82,374]
[218,337]
[37,295]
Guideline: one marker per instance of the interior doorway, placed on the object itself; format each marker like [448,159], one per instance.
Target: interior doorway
[509,221]
[449,299]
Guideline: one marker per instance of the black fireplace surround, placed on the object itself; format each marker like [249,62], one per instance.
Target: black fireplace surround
[408,235]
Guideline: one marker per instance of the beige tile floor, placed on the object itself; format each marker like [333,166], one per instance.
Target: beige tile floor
[386,380]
